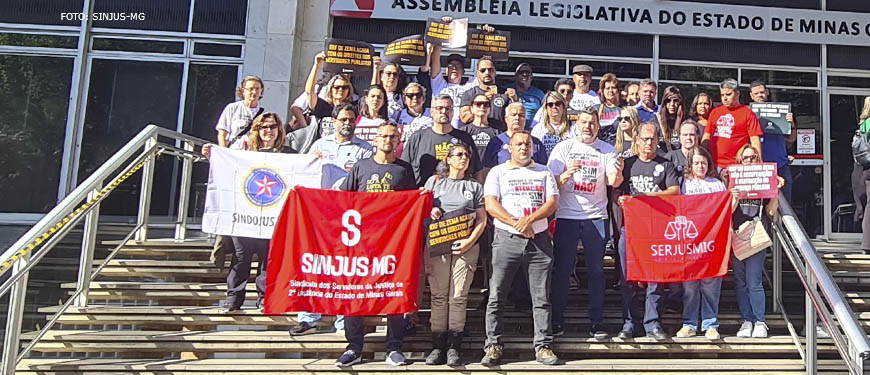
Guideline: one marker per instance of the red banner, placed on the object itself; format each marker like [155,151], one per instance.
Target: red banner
[347,253]
[677,238]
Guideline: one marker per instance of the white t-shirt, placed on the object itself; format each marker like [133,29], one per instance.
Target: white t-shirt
[589,99]
[367,129]
[521,191]
[234,118]
[441,86]
[551,140]
[411,124]
[585,195]
[693,186]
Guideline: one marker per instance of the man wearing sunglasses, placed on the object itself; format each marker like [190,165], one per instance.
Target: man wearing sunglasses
[486,85]
[584,96]
[531,96]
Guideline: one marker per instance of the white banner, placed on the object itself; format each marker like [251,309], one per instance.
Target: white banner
[247,189]
[633,16]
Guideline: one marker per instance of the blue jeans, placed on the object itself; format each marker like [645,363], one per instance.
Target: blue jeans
[355,333]
[748,274]
[313,318]
[594,234]
[631,298]
[701,296]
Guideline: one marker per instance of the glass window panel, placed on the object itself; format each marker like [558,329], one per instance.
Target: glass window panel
[38,40]
[220,16]
[43,12]
[849,82]
[773,77]
[844,121]
[116,112]
[849,57]
[35,94]
[138,45]
[696,73]
[739,51]
[217,49]
[164,15]
[862,6]
[623,70]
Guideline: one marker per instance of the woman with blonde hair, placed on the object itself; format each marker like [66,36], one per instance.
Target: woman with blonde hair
[554,126]
[627,123]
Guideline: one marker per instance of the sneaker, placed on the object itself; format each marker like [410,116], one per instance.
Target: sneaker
[558,330]
[396,358]
[229,308]
[686,331]
[745,329]
[625,334]
[349,358]
[657,333]
[598,332]
[712,334]
[546,356]
[760,330]
[492,356]
[303,329]
[436,357]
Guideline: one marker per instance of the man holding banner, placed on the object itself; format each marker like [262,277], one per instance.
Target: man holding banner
[520,194]
[645,174]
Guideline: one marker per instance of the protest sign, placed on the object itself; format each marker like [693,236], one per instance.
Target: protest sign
[450,35]
[755,180]
[409,50]
[347,253]
[771,117]
[347,57]
[677,237]
[481,43]
[452,226]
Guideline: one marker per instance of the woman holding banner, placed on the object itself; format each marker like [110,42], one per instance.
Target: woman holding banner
[267,135]
[748,272]
[701,296]
[554,126]
[456,192]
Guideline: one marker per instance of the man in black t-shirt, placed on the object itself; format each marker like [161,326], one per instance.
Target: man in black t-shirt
[486,86]
[427,147]
[650,174]
[380,173]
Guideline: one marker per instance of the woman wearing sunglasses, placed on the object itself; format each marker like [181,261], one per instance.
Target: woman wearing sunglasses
[339,90]
[554,127]
[483,128]
[670,118]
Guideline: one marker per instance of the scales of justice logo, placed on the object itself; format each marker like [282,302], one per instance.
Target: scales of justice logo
[263,187]
[681,229]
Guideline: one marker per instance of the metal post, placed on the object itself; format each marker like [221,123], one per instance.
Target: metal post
[184,194]
[14,318]
[810,325]
[777,269]
[145,192]
[89,240]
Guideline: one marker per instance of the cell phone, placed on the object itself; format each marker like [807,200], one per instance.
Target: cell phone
[493,89]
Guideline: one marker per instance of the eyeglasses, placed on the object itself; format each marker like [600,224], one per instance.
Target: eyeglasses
[389,74]
[750,158]
[554,104]
[623,118]
[486,70]
[646,139]
[258,88]
[414,95]
[565,92]
[460,155]
[347,120]
[270,127]
[342,87]
[441,108]
[525,73]
[481,104]
[391,137]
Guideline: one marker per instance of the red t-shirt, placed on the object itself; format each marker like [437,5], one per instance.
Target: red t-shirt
[730,129]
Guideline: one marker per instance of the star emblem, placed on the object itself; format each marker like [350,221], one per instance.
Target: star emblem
[265,186]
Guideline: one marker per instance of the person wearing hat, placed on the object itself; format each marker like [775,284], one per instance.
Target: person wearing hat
[531,96]
[584,96]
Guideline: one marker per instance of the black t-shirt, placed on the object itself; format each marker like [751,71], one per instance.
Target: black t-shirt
[368,175]
[748,209]
[679,160]
[653,176]
[499,102]
[322,108]
[481,136]
[426,148]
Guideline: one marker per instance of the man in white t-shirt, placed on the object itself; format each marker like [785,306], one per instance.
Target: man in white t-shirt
[236,116]
[584,96]
[584,167]
[520,194]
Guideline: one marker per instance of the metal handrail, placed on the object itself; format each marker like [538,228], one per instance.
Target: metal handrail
[831,305]
[25,253]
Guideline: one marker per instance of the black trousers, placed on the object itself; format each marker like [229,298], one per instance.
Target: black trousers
[240,268]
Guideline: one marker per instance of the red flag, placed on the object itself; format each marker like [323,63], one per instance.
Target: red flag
[677,238]
[346,253]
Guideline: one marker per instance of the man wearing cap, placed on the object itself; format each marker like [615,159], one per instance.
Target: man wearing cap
[531,96]
[584,96]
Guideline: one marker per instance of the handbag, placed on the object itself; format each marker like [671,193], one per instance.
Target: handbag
[861,148]
[750,238]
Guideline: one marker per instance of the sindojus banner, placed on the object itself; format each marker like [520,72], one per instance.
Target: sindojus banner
[247,189]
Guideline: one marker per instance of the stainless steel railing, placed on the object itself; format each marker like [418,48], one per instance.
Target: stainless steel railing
[139,153]
[824,300]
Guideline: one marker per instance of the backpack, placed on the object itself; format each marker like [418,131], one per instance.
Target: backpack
[861,148]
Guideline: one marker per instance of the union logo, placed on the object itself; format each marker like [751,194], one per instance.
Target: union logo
[681,229]
[263,187]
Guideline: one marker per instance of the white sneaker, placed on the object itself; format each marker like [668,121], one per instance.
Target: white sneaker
[760,330]
[745,329]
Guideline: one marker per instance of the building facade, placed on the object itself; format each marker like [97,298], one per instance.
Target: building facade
[74,91]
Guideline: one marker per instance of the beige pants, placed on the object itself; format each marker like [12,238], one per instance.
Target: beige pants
[448,283]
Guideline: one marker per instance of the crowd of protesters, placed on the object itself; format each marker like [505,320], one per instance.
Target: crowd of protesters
[520,157]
